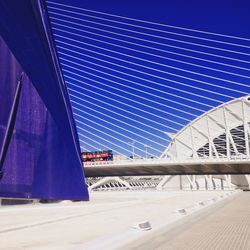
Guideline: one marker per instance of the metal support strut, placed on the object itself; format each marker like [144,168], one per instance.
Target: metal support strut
[10,125]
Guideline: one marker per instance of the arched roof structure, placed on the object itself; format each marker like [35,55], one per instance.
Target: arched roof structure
[220,132]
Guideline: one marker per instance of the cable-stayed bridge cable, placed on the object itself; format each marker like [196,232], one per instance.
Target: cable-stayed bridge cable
[156,36]
[165,45]
[97,136]
[112,137]
[129,93]
[123,135]
[150,68]
[133,100]
[100,125]
[129,112]
[85,148]
[153,48]
[176,47]
[185,49]
[115,138]
[158,64]
[141,85]
[155,83]
[150,22]
[128,118]
[116,90]
[118,120]
[82,117]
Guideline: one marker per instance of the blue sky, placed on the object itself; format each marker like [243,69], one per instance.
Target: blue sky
[116,67]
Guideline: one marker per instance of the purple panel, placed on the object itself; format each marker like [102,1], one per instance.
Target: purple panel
[23,152]
[43,159]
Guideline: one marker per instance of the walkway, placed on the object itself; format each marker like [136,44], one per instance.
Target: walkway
[227,227]
[106,222]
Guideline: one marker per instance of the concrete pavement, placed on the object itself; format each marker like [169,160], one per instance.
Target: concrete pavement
[106,222]
[225,227]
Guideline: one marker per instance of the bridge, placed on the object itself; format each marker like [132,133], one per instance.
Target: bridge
[216,143]
[136,85]
[166,99]
[151,167]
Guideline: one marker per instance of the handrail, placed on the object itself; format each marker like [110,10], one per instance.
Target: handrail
[168,161]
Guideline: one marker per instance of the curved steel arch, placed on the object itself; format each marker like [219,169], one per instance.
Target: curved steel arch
[222,121]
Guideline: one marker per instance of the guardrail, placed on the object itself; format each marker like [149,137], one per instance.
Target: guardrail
[170,161]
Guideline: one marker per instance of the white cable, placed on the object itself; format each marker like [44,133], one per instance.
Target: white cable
[138,84]
[238,145]
[129,93]
[177,47]
[221,138]
[129,87]
[158,64]
[133,100]
[128,118]
[154,23]
[129,138]
[146,67]
[118,120]
[109,142]
[138,71]
[94,128]
[138,141]
[83,148]
[127,111]
[88,144]
[112,124]
[146,80]
[162,44]
[156,150]
[148,47]
[109,136]
[104,120]
[161,37]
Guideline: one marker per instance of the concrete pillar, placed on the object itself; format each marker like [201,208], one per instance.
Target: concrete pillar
[228,180]
[209,182]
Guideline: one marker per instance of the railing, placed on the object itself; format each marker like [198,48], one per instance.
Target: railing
[201,160]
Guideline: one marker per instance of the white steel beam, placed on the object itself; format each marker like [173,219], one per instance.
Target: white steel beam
[246,129]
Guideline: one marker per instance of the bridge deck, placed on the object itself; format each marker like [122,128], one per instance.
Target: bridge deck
[163,167]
